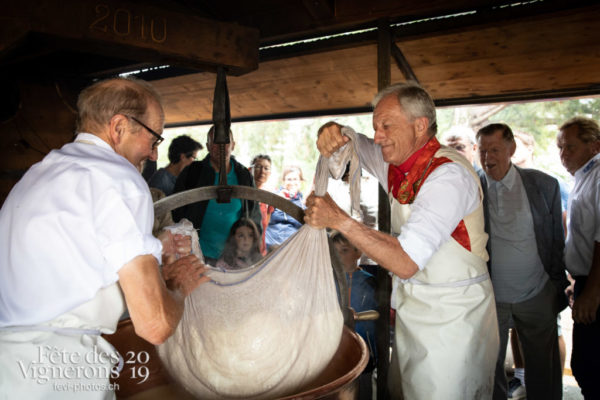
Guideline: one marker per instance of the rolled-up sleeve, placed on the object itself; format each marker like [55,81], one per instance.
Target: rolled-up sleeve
[122,231]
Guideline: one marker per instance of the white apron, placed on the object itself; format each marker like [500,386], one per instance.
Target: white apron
[446,338]
[65,358]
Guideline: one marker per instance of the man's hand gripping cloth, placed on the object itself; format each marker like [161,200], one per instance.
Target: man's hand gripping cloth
[337,166]
[265,331]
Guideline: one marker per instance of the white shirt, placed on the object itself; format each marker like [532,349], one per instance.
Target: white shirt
[583,218]
[66,229]
[517,270]
[448,195]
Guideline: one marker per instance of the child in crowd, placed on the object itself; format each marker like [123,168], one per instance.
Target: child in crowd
[242,248]
[361,296]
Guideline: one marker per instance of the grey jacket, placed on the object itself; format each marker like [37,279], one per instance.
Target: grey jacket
[543,193]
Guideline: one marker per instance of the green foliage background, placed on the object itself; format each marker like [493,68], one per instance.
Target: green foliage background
[292,142]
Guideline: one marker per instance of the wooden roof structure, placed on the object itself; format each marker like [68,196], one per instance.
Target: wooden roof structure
[284,59]
[460,55]
[310,57]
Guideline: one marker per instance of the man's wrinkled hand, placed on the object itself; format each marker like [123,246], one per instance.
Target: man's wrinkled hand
[585,308]
[330,138]
[185,274]
[323,212]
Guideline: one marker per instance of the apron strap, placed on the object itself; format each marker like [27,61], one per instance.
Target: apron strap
[465,282]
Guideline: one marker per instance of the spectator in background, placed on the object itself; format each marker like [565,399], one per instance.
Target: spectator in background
[523,158]
[242,248]
[182,152]
[214,220]
[282,226]
[261,170]
[526,242]
[462,139]
[361,297]
[579,144]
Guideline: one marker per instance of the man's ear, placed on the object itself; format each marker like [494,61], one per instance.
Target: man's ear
[513,148]
[595,146]
[117,128]
[422,124]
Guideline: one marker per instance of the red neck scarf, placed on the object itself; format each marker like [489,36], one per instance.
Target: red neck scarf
[405,180]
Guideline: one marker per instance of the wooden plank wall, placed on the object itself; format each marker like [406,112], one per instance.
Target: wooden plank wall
[338,79]
[44,121]
[541,53]
[531,55]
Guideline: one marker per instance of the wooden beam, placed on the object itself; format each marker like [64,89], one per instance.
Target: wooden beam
[384,283]
[138,32]
[403,64]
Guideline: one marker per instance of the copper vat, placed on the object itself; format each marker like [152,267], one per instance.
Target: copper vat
[338,381]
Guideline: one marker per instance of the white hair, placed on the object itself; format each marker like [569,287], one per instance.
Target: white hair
[414,100]
[461,132]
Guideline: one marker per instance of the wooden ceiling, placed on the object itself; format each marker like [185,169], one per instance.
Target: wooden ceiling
[462,52]
[515,53]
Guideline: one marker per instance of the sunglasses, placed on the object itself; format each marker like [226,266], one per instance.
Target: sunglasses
[158,137]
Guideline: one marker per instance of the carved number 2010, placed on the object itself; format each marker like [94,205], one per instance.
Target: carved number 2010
[121,23]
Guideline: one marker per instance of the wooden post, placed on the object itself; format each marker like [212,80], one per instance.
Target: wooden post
[384,284]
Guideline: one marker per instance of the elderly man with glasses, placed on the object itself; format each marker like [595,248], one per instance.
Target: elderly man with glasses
[76,247]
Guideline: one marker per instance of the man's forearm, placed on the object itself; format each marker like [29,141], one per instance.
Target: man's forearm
[164,321]
[155,310]
[382,248]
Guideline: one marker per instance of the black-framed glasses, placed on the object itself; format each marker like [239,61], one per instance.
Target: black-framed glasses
[158,137]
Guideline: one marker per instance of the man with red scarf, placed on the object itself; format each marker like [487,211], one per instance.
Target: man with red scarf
[446,340]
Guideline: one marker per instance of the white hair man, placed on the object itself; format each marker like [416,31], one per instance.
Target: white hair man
[436,253]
